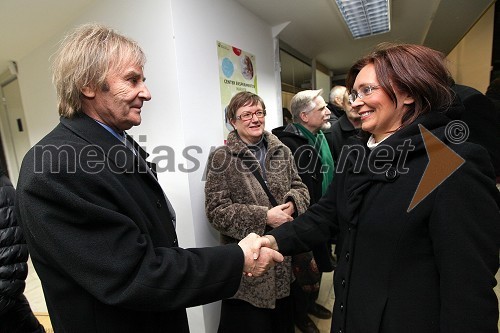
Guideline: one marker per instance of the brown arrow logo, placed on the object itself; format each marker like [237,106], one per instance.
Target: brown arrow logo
[443,162]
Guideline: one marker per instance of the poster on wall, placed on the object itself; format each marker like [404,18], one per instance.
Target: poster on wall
[236,73]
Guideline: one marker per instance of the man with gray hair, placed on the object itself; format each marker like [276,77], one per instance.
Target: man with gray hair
[336,106]
[100,230]
[315,166]
[336,102]
[310,117]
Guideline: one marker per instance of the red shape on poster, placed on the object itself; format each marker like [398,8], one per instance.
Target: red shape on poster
[236,51]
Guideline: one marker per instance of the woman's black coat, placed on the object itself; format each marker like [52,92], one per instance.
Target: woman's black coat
[428,268]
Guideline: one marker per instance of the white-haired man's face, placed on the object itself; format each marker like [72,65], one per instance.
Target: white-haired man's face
[318,118]
[119,103]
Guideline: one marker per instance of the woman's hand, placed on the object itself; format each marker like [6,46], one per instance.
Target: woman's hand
[277,215]
[290,210]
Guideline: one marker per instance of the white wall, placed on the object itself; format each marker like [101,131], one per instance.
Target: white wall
[179,38]
[198,25]
[196,35]
[323,82]
[37,91]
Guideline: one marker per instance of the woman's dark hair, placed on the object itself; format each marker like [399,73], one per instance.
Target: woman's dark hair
[415,70]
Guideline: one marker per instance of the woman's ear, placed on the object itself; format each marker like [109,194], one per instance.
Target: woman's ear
[408,100]
[88,92]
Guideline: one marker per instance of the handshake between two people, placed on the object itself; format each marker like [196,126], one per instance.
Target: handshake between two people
[260,254]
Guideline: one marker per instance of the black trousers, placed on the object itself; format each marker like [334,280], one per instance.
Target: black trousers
[238,316]
[302,301]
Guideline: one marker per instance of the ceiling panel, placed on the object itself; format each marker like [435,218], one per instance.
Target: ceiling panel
[316,28]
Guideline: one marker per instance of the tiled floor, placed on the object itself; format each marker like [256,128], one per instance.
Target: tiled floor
[34,294]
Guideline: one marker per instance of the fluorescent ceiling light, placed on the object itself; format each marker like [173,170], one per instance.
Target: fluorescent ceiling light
[365,17]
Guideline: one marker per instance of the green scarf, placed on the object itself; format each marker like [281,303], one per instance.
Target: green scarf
[319,143]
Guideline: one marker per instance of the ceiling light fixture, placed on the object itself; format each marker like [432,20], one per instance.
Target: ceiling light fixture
[365,17]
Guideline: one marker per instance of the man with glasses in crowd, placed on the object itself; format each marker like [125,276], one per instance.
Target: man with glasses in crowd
[315,165]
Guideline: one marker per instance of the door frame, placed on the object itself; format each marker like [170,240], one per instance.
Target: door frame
[8,150]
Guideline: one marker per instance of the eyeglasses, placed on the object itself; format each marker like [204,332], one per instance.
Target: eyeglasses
[365,91]
[245,116]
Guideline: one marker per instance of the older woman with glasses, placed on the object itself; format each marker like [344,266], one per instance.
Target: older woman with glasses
[253,186]
[417,209]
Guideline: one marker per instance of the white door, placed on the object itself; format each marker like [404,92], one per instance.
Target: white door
[13,127]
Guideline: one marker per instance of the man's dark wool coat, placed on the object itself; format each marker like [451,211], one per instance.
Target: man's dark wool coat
[100,233]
